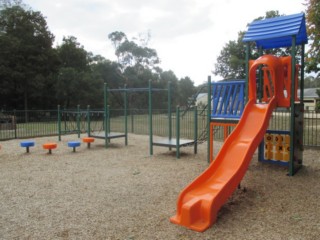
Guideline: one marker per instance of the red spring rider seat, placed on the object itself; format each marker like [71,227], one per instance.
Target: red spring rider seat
[88,140]
[49,146]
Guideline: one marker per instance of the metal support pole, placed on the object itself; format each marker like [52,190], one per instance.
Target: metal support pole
[292,106]
[88,121]
[260,89]
[195,130]
[59,123]
[78,120]
[302,96]
[169,112]
[132,121]
[108,119]
[302,74]
[247,72]
[208,118]
[125,115]
[178,132]
[16,123]
[65,118]
[150,119]
[260,97]
[105,115]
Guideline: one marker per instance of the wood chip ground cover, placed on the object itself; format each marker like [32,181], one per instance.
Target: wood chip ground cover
[123,193]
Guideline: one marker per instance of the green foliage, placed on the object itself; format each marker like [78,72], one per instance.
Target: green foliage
[79,77]
[34,75]
[318,104]
[105,71]
[186,90]
[165,78]
[132,54]
[231,61]
[10,3]
[72,54]
[313,29]
[138,63]
[311,82]
[71,84]
[26,55]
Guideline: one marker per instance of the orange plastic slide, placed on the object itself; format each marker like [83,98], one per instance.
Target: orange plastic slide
[198,204]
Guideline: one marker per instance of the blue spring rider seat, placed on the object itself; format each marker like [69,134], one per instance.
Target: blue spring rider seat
[74,145]
[27,145]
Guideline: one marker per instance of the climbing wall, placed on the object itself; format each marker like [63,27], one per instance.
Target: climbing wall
[276,147]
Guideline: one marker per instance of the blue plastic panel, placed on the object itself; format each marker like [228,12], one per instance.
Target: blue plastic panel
[227,99]
[277,32]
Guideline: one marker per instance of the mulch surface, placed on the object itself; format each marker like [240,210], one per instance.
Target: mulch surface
[123,193]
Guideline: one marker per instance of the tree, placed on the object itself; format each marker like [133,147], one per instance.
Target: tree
[71,82]
[72,54]
[117,38]
[231,61]
[313,29]
[165,77]
[26,54]
[311,82]
[186,90]
[105,71]
[132,54]
[10,3]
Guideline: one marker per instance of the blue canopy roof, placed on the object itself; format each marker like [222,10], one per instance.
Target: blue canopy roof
[277,32]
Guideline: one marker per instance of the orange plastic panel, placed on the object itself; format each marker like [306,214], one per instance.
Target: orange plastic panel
[225,135]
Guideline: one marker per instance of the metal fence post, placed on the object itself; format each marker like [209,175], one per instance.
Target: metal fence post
[88,121]
[59,123]
[15,128]
[78,120]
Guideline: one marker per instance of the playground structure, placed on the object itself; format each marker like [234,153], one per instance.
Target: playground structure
[106,131]
[74,121]
[69,121]
[198,204]
[52,145]
[170,141]
[226,109]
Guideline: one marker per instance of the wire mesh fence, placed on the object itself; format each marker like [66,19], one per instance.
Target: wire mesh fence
[37,123]
[26,124]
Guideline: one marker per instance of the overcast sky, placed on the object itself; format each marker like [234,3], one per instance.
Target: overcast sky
[188,35]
